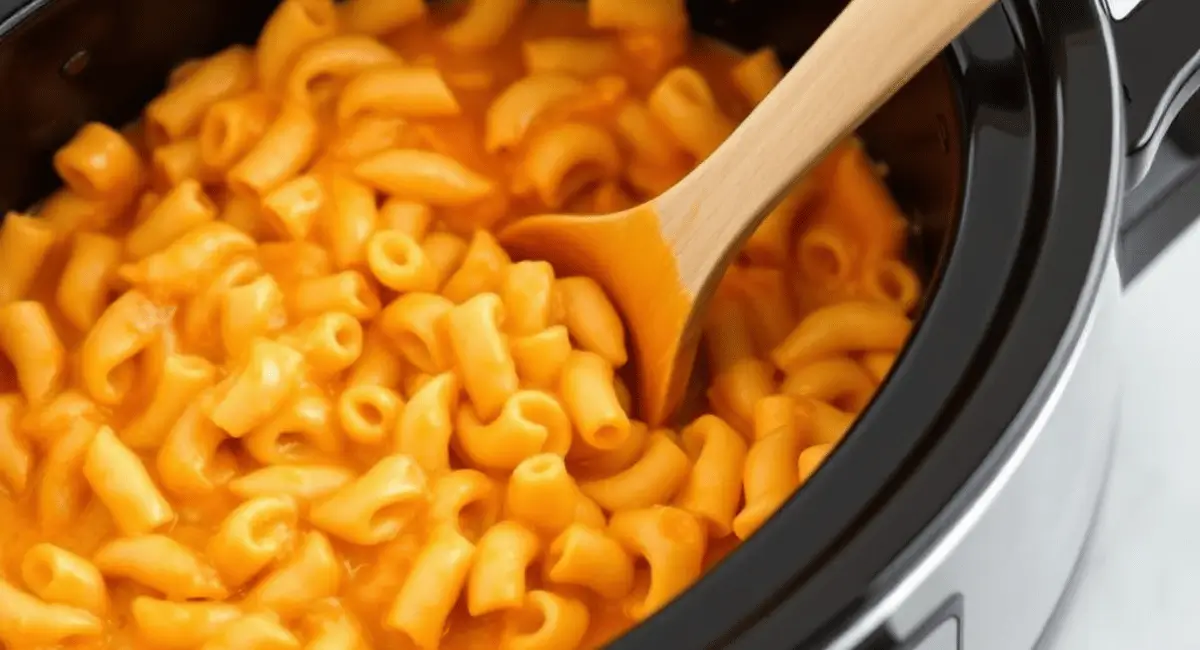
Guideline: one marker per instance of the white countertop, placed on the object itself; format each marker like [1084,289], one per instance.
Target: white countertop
[1140,583]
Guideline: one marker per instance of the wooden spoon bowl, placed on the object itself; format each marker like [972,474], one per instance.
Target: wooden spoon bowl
[659,261]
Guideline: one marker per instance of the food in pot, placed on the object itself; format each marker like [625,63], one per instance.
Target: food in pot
[274,383]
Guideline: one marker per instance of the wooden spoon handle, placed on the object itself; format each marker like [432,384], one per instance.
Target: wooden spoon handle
[872,49]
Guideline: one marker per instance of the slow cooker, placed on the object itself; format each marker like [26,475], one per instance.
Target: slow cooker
[1045,158]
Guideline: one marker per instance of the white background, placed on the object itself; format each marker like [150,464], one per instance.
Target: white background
[1140,586]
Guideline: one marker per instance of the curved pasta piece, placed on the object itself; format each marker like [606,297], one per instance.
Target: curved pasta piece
[182,379]
[293,26]
[562,160]
[415,325]
[180,626]
[330,626]
[588,463]
[412,92]
[399,262]
[162,564]
[672,543]
[893,282]
[637,14]
[368,413]
[259,630]
[483,25]
[545,620]
[377,506]
[826,255]
[330,343]
[379,17]
[16,454]
[488,373]
[878,364]
[543,495]
[337,57]
[541,357]
[827,424]
[59,576]
[683,102]
[184,266]
[121,482]
[124,330]
[304,483]
[527,293]
[653,479]
[433,585]
[713,489]
[426,425]
[24,243]
[313,572]
[424,176]
[349,291]
[254,535]
[99,163]
[27,621]
[31,343]
[811,459]
[531,422]
[467,500]
[481,270]
[840,329]
[284,149]
[192,460]
[589,394]
[580,57]
[62,490]
[836,380]
[592,319]
[514,110]
[232,127]
[248,399]
[178,111]
[303,431]
[497,578]
[756,75]
[587,557]
[292,208]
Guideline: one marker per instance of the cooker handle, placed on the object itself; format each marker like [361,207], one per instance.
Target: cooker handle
[1158,53]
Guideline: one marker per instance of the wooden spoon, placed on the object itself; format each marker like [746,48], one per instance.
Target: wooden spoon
[660,260]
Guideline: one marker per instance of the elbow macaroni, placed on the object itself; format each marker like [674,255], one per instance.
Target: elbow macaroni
[275,382]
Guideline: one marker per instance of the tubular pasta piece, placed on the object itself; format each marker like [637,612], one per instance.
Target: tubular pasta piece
[683,103]
[561,622]
[580,57]
[30,342]
[379,17]
[162,564]
[305,483]
[514,110]
[313,572]
[376,507]
[483,25]
[121,482]
[27,621]
[178,111]
[402,91]
[653,479]
[563,160]
[530,423]
[426,425]
[488,373]
[59,576]
[424,176]
[671,541]
[497,578]
[433,585]
[586,557]
[712,490]
[180,626]
[337,57]
[843,328]
[254,535]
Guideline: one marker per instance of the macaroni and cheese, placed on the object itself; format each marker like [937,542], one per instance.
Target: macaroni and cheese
[273,383]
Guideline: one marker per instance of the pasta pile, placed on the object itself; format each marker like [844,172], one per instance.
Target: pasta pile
[274,384]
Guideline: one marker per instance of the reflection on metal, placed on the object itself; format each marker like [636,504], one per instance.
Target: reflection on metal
[1121,8]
